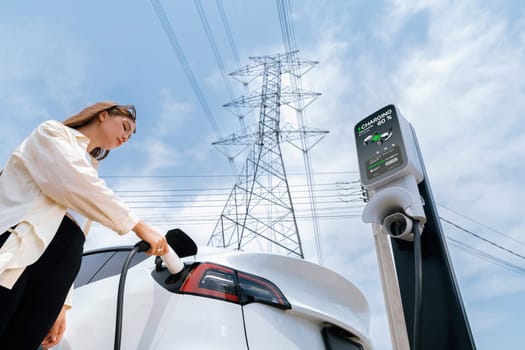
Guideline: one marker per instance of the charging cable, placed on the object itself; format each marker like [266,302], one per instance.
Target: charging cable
[173,263]
[418,285]
[400,226]
[139,247]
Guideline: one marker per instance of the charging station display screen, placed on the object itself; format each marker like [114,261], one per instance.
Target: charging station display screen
[384,162]
[380,146]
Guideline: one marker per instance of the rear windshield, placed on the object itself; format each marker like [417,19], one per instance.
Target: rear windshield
[104,263]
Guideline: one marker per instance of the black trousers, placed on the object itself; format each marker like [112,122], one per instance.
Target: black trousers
[30,308]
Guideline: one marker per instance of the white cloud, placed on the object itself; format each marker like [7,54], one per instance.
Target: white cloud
[41,77]
[40,71]
[160,156]
[464,93]
[173,113]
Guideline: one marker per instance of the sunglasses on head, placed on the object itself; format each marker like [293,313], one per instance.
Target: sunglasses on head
[129,108]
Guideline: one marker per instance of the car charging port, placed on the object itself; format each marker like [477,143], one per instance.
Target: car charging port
[169,281]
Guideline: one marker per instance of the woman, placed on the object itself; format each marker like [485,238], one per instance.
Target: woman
[49,193]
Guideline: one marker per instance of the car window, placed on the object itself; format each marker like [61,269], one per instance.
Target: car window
[104,263]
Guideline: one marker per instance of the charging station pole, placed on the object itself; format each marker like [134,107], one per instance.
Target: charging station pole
[421,293]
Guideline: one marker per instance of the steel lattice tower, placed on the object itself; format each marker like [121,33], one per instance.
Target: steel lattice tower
[259,209]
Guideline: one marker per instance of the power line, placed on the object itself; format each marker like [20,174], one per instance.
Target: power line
[329,213]
[229,33]
[483,225]
[298,203]
[482,238]
[233,46]
[213,44]
[223,175]
[173,193]
[487,257]
[210,220]
[226,189]
[287,31]
[222,199]
[172,38]
[216,54]
[346,215]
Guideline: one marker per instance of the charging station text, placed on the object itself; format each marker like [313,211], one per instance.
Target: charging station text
[378,119]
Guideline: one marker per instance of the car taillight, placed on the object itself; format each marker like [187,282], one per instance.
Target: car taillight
[220,282]
[260,290]
[213,281]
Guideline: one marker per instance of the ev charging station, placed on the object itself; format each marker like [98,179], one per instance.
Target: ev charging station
[422,298]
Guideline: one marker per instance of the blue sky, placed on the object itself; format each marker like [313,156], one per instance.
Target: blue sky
[454,69]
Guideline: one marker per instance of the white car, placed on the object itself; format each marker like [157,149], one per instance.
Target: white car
[221,300]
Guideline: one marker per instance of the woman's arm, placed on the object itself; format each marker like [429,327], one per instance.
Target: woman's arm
[54,156]
[57,164]
[56,332]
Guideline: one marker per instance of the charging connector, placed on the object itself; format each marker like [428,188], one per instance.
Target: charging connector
[173,262]
[398,225]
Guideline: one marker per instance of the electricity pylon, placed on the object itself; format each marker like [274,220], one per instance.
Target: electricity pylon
[259,210]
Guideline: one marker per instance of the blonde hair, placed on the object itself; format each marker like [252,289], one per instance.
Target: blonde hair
[86,115]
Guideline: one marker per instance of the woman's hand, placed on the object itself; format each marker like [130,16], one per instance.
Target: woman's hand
[157,242]
[56,332]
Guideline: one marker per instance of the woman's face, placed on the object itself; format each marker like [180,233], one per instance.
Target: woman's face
[114,130]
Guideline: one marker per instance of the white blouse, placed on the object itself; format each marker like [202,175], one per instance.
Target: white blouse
[79,219]
[44,176]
